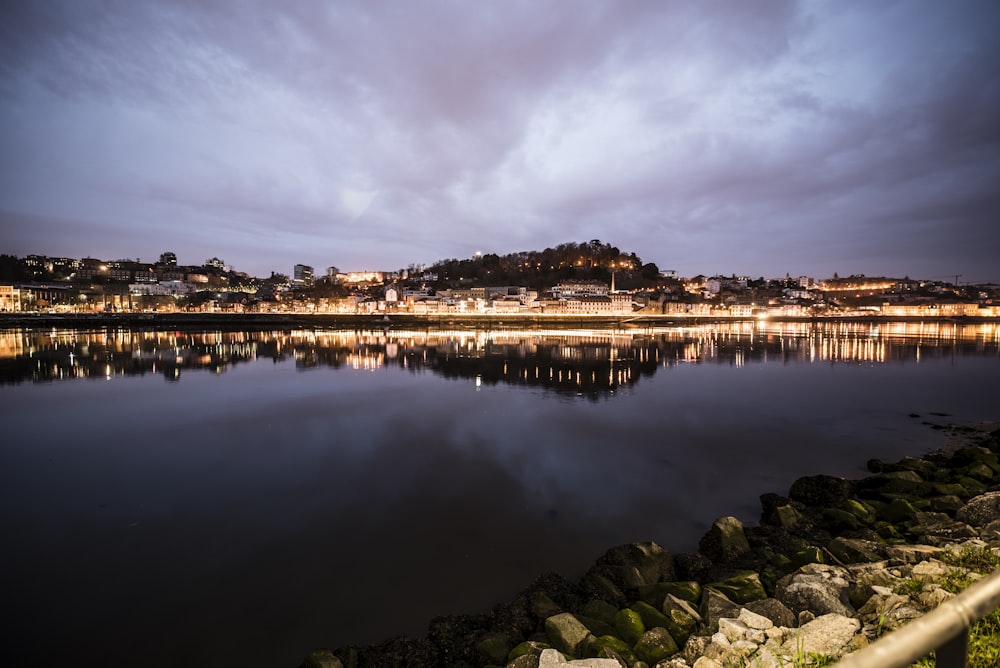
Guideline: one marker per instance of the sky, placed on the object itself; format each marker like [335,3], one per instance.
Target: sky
[711,137]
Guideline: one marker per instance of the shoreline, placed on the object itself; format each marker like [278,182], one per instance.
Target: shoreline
[181,320]
[831,550]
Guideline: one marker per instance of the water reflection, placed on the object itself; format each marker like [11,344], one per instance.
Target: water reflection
[584,362]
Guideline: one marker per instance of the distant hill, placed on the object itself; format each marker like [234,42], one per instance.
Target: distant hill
[590,260]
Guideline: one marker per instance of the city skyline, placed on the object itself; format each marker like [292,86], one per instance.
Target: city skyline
[788,137]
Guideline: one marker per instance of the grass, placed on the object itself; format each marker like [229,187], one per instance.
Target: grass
[984,636]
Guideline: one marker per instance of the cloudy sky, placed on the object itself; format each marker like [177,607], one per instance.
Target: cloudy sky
[753,138]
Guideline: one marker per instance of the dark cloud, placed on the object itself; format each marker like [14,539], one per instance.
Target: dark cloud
[721,136]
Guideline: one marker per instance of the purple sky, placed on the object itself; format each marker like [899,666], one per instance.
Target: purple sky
[709,137]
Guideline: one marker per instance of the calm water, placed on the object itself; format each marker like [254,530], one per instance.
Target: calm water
[239,498]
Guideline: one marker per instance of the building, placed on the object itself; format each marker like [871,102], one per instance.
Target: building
[168,258]
[302,275]
[10,299]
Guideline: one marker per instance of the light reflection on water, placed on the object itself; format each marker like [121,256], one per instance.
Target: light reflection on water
[287,489]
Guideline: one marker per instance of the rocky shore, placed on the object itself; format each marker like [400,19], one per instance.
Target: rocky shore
[832,565]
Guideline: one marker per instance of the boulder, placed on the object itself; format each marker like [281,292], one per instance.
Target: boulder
[821,490]
[856,551]
[321,658]
[741,588]
[816,588]
[655,645]
[830,635]
[566,632]
[495,647]
[629,625]
[774,610]
[725,540]
[938,528]
[714,606]
[636,564]
[980,510]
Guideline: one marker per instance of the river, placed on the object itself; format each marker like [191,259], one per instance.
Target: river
[238,498]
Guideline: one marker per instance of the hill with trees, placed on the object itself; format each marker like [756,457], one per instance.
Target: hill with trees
[591,260]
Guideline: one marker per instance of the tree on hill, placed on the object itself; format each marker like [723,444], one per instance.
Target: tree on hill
[591,260]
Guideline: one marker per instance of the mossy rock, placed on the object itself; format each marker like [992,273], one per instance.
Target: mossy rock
[972,486]
[614,644]
[837,520]
[863,511]
[629,626]
[898,510]
[565,632]
[687,591]
[787,517]
[654,593]
[807,555]
[601,610]
[528,647]
[684,618]
[597,626]
[921,466]
[741,588]
[888,531]
[980,472]
[946,504]
[655,645]
[542,606]
[951,489]
[321,658]
[651,617]
[495,647]
[856,551]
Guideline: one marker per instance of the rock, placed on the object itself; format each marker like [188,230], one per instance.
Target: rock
[525,661]
[735,630]
[837,520]
[651,617]
[741,588]
[566,632]
[321,658]
[636,564]
[885,485]
[950,504]
[856,551]
[911,554]
[629,625]
[612,647]
[725,540]
[774,610]
[714,606]
[898,510]
[542,606]
[818,588]
[828,634]
[596,626]
[939,528]
[601,587]
[550,658]
[528,647]
[688,591]
[692,566]
[980,510]
[821,490]
[601,610]
[807,555]
[655,645]
[495,647]
[754,621]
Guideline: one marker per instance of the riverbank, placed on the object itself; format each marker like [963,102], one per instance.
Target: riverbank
[259,321]
[831,566]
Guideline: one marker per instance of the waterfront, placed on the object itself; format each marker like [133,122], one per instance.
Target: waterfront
[189,497]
